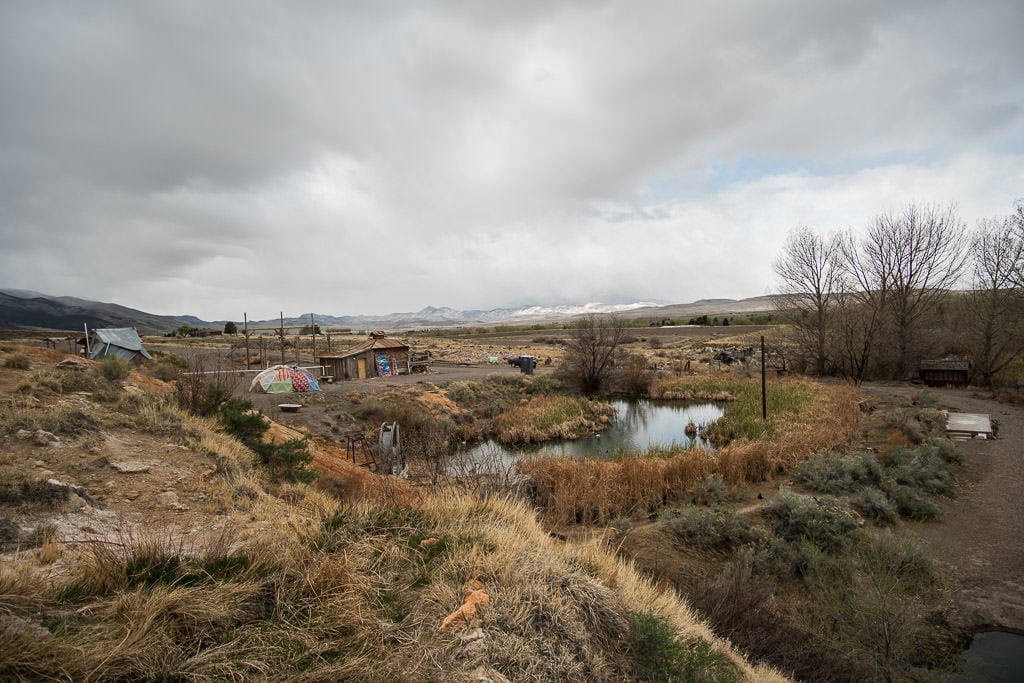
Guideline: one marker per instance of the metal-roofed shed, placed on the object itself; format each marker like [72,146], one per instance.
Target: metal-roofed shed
[118,342]
[378,356]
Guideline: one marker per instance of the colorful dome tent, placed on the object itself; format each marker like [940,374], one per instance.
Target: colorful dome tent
[281,379]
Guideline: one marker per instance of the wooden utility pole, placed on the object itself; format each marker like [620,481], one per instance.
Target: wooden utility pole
[245,317]
[312,329]
[263,350]
[282,337]
[328,333]
[764,386]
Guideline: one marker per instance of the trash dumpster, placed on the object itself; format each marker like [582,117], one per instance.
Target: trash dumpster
[527,364]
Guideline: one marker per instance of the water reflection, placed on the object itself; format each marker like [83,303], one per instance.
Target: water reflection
[638,425]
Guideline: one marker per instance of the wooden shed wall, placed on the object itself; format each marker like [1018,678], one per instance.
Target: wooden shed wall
[938,378]
[348,368]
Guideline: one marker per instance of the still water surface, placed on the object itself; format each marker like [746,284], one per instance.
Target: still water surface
[993,657]
[638,425]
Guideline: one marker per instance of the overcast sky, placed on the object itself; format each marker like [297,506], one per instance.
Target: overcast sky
[212,158]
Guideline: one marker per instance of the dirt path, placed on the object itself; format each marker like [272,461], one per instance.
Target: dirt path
[981,532]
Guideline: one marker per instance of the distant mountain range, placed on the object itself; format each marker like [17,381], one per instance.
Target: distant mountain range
[24,309]
[21,309]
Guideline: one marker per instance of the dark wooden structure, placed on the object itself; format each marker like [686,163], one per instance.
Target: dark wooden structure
[359,451]
[939,373]
[361,361]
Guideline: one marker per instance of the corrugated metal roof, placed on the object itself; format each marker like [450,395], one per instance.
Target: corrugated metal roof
[368,345]
[121,337]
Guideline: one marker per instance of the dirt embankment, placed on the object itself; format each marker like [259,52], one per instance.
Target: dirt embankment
[981,532]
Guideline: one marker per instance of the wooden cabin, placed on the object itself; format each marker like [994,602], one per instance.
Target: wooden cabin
[939,373]
[377,356]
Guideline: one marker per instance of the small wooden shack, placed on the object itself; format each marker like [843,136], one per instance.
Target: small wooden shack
[938,373]
[377,356]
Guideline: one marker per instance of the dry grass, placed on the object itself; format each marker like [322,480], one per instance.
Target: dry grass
[543,418]
[598,491]
[330,592]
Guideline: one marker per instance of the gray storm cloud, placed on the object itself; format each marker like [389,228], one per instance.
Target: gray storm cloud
[211,158]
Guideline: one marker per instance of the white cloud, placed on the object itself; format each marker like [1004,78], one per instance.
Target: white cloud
[189,158]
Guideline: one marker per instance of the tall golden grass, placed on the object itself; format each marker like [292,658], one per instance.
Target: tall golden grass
[596,491]
[332,592]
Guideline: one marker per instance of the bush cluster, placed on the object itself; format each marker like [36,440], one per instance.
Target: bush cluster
[826,522]
[17,361]
[287,461]
[115,369]
[884,490]
[660,654]
[717,529]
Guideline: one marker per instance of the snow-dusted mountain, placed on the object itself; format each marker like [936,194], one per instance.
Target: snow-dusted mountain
[442,316]
[29,309]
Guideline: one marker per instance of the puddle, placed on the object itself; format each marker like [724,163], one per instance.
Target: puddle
[993,657]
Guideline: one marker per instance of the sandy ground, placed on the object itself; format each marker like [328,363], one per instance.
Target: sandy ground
[981,533]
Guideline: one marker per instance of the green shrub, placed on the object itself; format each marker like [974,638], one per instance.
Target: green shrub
[912,504]
[922,468]
[544,384]
[241,422]
[710,491]
[660,655]
[115,369]
[287,461]
[825,522]
[875,504]
[107,392]
[717,528]
[621,526]
[489,398]
[172,359]
[884,491]
[839,473]
[17,361]
[782,559]
[875,607]
[165,372]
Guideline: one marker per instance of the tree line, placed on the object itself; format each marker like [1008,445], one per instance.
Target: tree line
[914,284]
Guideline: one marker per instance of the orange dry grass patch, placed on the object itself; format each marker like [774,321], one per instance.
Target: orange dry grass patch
[439,403]
[151,385]
[476,599]
[41,355]
[597,491]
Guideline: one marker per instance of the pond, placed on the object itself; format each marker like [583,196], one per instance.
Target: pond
[993,657]
[638,425]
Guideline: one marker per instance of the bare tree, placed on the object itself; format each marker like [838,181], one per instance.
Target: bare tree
[1017,233]
[921,252]
[861,302]
[993,307]
[590,353]
[809,274]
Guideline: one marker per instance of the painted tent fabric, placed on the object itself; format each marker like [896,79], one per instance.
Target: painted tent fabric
[281,379]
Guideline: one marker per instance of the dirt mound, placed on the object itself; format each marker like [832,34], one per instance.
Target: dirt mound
[150,385]
[40,355]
